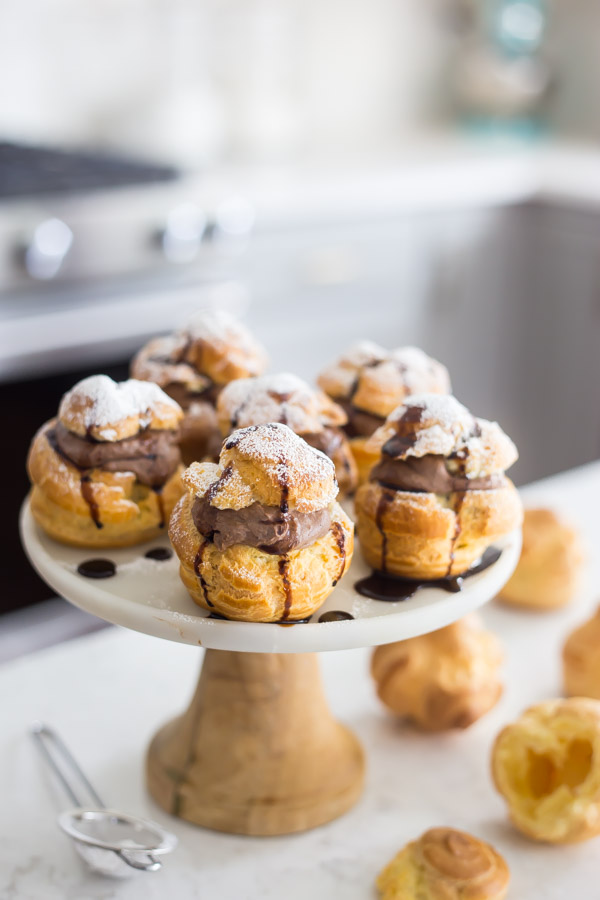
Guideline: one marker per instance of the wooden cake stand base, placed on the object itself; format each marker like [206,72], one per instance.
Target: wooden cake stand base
[257,752]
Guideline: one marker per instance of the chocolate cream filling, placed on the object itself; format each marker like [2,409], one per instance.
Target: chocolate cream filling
[360,422]
[265,527]
[181,394]
[327,441]
[151,455]
[428,474]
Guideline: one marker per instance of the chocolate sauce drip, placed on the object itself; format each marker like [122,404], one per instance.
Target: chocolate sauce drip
[287,587]
[216,485]
[379,586]
[340,539]
[88,495]
[335,615]
[458,502]
[289,622]
[159,553]
[384,501]
[161,506]
[216,615]
[97,568]
[198,571]
[398,444]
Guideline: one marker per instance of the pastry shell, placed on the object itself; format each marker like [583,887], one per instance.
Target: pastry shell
[581,660]
[430,536]
[546,765]
[445,864]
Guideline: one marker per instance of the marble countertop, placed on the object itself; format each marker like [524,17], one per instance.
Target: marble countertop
[107,694]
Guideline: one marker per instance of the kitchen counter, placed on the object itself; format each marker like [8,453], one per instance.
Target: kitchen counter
[107,694]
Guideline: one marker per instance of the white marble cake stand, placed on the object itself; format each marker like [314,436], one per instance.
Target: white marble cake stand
[257,751]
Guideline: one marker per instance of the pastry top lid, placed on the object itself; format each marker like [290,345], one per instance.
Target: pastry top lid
[462,860]
[377,380]
[213,347]
[281,398]
[437,424]
[106,410]
[266,464]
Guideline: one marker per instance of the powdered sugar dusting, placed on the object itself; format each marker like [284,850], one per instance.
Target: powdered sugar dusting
[103,403]
[220,326]
[272,398]
[277,445]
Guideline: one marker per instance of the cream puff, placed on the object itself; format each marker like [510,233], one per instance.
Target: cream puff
[260,537]
[445,864]
[288,399]
[446,679]
[437,497]
[192,366]
[546,765]
[549,569]
[581,660]
[107,471]
[370,382]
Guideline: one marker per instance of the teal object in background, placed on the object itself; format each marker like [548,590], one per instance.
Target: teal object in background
[517,27]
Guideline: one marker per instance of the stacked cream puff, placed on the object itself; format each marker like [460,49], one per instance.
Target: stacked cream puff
[260,536]
[193,365]
[287,399]
[370,383]
[437,496]
[106,471]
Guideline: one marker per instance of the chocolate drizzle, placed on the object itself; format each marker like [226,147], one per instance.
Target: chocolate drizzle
[218,484]
[87,493]
[287,587]
[379,586]
[399,443]
[340,539]
[97,568]
[335,615]
[161,554]
[384,501]
[198,571]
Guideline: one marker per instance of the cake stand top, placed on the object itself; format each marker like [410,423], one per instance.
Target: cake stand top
[148,596]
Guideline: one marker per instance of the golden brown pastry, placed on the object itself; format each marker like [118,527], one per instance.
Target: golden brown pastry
[546,765]
[370,382]
[446,679]
[192,367]
[445,864]
[438,496]
[107,471]
[259,536]
[581,659]
[288,399]
[548,571]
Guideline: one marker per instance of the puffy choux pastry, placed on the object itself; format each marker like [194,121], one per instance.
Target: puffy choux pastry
[288,399]
[437,497]
[550,565]
[446,679]
[546,765]
[259,536]
[370,382]
[107,471]
[581,660]
[445,864]
[193,365]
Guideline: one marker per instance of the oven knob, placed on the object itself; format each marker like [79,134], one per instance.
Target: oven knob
[47,249]
[183,232]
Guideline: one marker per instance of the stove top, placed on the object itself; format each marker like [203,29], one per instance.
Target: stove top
[30,171]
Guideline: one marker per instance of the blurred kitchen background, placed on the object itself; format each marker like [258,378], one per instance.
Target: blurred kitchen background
[411,171]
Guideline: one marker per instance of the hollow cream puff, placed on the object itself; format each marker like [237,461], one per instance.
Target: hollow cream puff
[446,679]
[445,864]
[370,382]
[193,365]
[288,399]
[548,572]
[259,536]
[437,497]
[106,472]
[546,765]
